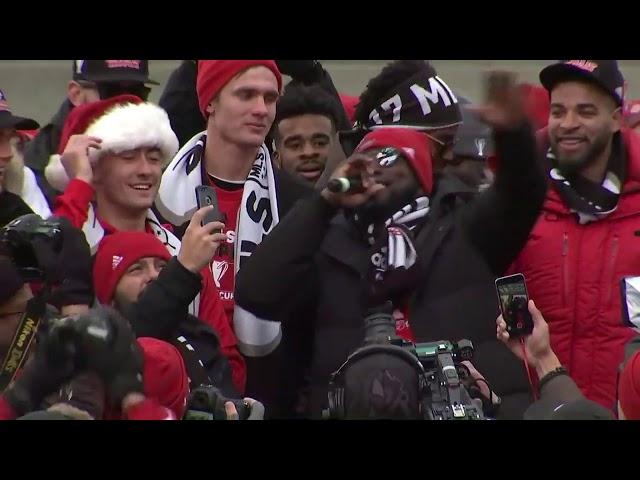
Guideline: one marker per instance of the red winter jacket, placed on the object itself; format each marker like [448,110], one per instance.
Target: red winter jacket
[573,273]
[73,204]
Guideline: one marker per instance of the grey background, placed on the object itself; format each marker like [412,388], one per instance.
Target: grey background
[35,88]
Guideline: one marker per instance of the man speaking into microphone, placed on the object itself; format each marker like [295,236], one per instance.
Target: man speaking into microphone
[386,229]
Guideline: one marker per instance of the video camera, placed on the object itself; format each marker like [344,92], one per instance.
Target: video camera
[207,403]
[19,237]
[436,367]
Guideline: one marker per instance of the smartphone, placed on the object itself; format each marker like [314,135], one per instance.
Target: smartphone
[205,196]
[514,305]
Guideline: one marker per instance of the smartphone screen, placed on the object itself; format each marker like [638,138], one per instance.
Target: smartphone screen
[514,304]
[205,196]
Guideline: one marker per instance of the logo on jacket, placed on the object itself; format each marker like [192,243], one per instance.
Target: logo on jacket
[481,143]
[218,269]
[115,261]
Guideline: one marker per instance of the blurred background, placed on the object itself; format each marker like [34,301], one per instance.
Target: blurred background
[35,88]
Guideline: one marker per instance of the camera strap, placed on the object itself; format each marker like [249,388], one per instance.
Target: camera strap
[22,340]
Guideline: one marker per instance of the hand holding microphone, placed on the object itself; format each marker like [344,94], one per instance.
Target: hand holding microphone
[351,183]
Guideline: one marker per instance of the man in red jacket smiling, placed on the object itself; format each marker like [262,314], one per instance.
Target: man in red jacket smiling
[586,238]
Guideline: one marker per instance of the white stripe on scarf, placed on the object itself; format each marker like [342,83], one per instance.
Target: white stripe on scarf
[176,202]
[400,251]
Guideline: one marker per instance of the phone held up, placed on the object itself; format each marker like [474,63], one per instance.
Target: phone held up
[205,196]
[514,305]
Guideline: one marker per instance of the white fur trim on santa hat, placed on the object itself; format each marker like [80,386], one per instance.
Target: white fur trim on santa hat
[130,126]
[122,128]
[55,173]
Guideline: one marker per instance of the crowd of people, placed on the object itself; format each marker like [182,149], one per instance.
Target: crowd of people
[410,196]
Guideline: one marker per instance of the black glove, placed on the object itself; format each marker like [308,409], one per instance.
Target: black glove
[306,71]
[85,391]
[44,373]
[120,360]
[70,269]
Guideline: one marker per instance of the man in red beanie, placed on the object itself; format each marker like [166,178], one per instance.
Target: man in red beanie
[114,151]
[238,99]
[394,236]
[134,273]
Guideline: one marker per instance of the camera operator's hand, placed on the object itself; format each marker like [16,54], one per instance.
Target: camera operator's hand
[357,165]
[537,345]
[199,243]
[481,383]
[75,158]
[257,410]
[43,374]
[120,362]
[69,269]
[504,108]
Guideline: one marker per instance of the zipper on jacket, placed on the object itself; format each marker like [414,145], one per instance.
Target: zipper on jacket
[565,269]
[611,269]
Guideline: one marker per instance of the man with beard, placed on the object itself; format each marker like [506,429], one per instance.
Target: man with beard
[304,131]
[337,255]
[584,241]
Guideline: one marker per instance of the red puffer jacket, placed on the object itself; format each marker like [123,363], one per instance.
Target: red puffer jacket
[573,273]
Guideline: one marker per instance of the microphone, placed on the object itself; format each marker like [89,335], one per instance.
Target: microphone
[345,185]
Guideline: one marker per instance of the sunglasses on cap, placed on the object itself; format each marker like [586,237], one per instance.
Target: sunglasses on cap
[386,157]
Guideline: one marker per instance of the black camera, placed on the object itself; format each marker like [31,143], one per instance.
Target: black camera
[207,403]
[442,380]
[76,338]
[19,237]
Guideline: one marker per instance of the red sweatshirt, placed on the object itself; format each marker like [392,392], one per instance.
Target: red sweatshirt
[74,205]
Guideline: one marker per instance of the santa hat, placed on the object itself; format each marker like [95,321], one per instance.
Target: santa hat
[213,75]
[412,144]
[122,123]
[116,253]
[165,376]
[629,388]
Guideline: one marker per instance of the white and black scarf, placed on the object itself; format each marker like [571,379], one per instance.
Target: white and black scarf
[588,200]
[393,254]
[257,216]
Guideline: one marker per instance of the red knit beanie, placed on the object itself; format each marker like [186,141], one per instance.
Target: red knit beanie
[165,376]
[629,388]
[411,143]
[213,75]
[116,253]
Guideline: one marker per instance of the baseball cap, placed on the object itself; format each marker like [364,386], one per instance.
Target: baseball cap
[473,138]
[9,120]
[603,73]
[112,71]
